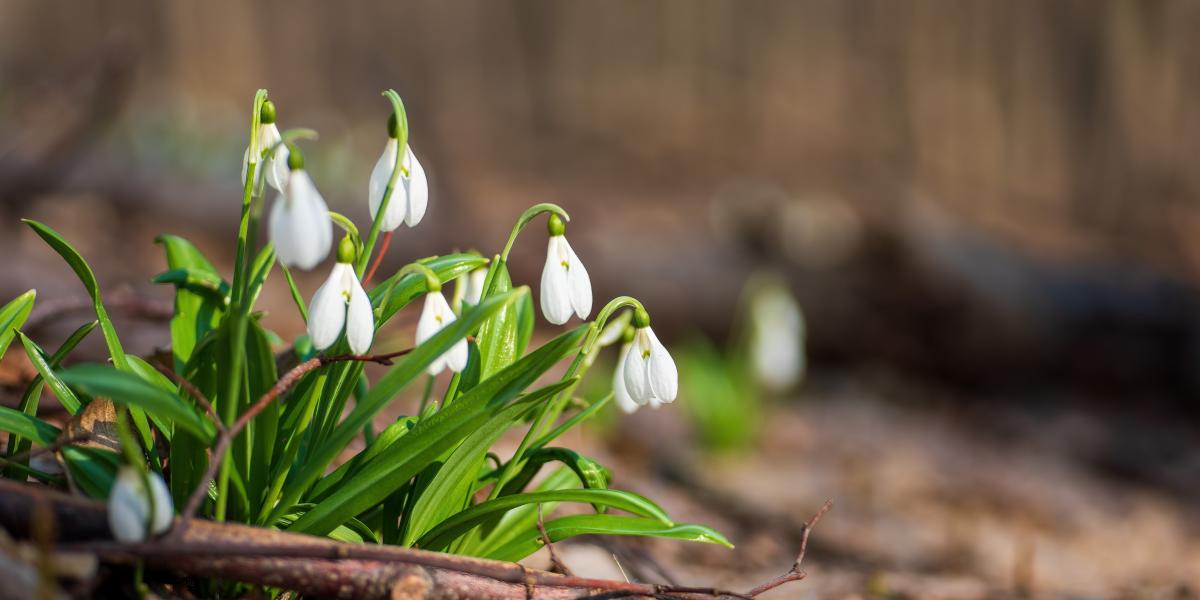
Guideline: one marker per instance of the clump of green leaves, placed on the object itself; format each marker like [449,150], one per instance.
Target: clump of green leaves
[428,480]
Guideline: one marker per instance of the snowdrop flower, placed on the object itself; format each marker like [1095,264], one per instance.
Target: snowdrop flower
[276,167]
[299,223]
[341,301]
[650,374]
[776,337]
[129,506]
[411,195]
[434,316]
[469,288]
[566,287]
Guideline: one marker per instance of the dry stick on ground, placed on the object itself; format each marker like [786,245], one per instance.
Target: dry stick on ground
[54,447]
[225,435]
[795,574]
[559,565]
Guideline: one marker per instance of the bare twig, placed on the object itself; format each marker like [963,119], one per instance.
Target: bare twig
[225,436]
[383,246]
[23,457]
[559,565]
[192,390]
[795,574]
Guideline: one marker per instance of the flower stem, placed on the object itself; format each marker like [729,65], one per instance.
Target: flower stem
[402,143]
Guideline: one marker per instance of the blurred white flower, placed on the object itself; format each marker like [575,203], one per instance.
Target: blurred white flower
[341,301]
[276,166]
[299,224]
[435,315]
[649,371]
[411,196]
[473,285]
[776,337]
[566,287]
[129,506]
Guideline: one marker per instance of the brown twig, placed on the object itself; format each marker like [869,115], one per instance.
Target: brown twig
[23,457]
[192,390]
[225,436]
[559,565]
[383,246]
[794,574]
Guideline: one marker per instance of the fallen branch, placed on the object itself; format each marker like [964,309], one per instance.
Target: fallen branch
[794,574]
[311,565]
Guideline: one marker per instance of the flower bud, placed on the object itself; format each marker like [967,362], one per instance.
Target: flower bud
[266,114]
[132,511]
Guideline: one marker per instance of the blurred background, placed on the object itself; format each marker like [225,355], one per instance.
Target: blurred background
[975,224]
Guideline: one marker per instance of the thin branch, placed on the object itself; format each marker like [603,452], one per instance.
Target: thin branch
[559,565]
[192,390]
[23,457]
[225,436]
[795,574]
[384,243]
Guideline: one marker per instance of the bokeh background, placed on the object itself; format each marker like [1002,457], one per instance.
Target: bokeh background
[988,213]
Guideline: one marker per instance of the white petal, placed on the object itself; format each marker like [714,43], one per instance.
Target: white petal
[300,224]
[164,509]
[129,506]
[475,281]
[380,175]
[327,312]
[620,392]
[360,320]
[555,293]
[637,380]
[432,316]
[417,187]
[456,356]
[664,377]
[579,282]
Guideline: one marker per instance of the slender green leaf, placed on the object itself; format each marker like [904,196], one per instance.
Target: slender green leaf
[450,529]
[440,432]
[197,310]
[44,368]
[515,521]
[562,528]
[92,469]
[498,336]
[127,388]
[352,531]
[386,438]
[12,316]
[456,477]
[16,422]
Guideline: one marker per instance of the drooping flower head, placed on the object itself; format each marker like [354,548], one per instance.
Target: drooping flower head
[435,316]
[566,287]
[340,303]
[275,166]
[650,374]
[469,288]
[299,224]
[411,194]
[130,502]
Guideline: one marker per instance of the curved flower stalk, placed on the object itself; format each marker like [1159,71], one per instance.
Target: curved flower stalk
[649,371]
[409,198]
[129,506]
[436,315]
[276,165]
[341,303]
[299,224]
[566,287]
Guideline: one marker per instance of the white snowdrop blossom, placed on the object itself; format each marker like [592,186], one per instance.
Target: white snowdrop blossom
[620,391]
[435,315]
[341,302]
[776,338]
[129,506]
[471,286]
[275,167]
[299,224]
[566,287]
[411,195]
[650,374]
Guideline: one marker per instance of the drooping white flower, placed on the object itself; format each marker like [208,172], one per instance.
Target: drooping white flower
[341,301]
[299,224]
[650,373]
[566,287]
[411,195]
[276,166]
[129,506]
[435,315]
[620,391]
[776,337]
[469,288]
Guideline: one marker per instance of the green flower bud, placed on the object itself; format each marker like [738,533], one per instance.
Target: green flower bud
[393,127]
[345,250]
[295,158]
[555,225]
[627,335]
[266,115]
[641,318]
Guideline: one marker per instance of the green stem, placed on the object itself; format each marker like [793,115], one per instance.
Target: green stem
[525,218]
